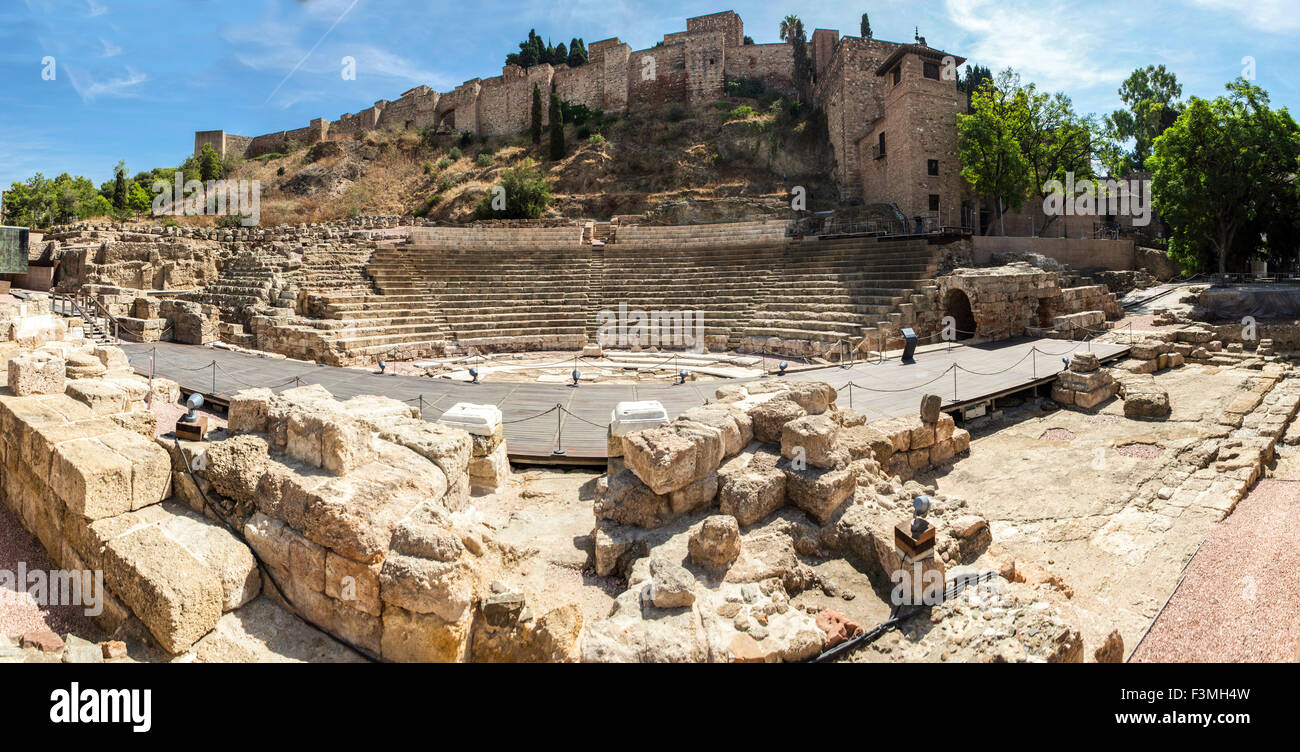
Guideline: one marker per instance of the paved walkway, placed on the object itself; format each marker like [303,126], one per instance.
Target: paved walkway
[961,374]
[1239,599]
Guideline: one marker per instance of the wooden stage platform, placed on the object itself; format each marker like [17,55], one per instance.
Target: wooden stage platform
[961,374]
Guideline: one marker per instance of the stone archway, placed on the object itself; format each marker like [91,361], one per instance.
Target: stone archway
[957,305]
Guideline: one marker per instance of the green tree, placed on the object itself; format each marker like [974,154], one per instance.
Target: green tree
[1224,180]
[1055,140]
[556,117]
[119,186]
[989,144]
[866,27]
[1151,94]
[577,53]
[526,193]
[971,79]
[209,164]
[792,32]
[536,124]
[138,199]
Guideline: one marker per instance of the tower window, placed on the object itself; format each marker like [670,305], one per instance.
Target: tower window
[932,166]
[934,202]
[931,70]
[898,73]
[880,147]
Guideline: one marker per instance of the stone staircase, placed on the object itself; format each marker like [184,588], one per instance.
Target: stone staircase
[843,288]
[521,289]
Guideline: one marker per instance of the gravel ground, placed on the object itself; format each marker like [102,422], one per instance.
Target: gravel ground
[1239,600]
[19,612]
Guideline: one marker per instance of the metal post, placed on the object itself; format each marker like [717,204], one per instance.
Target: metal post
[1033,356]
[850,395]
[421,407]
[214,378]
[954,382]
[559,431]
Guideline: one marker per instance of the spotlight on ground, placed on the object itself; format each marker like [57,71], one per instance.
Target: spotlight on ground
[383,366]
[782,366]
[576,375]
[681,376]
[193,426]
[473,375]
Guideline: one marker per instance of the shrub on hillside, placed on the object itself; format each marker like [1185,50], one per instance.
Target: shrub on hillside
[455,153]
[526,193]
[484,160]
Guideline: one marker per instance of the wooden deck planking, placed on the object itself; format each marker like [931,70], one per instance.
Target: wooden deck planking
[880,390]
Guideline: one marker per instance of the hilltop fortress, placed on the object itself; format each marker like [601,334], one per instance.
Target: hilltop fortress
[890,106]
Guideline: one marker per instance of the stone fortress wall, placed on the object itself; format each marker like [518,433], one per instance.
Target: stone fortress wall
[853,83]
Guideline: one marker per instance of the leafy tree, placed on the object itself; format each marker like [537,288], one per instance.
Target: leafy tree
[866,27]
[209,163]
[989,142]
[527,194]
[138,200]
[1151,94]
[41,202]
[557,128]
[1224,180]
[1056,140]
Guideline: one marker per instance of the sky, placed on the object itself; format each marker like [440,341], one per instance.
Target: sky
[85,83]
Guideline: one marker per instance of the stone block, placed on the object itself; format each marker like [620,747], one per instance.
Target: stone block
[817,491]
[752,494]
[770,418]
[36,373]
[715,543]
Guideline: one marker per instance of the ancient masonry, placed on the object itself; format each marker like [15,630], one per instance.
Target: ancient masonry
[891,107]
[344,295]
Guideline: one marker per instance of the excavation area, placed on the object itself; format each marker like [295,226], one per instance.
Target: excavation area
[496,444]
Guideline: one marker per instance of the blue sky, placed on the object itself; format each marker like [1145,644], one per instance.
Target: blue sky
[134,79]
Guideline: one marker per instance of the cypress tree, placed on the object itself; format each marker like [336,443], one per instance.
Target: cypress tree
[557,129]
[537,115]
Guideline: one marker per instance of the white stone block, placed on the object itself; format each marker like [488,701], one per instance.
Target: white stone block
[480,420]
[627,417]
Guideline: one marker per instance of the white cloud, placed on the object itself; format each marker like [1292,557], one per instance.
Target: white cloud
[96,9]
[121,86]
[110,49]
[1050,42]
[1272,16]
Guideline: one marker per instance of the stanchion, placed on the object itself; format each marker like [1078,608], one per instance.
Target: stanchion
[214,378]
[954,383]
[559,450]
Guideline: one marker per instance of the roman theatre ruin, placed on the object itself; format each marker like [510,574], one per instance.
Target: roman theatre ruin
[408,442]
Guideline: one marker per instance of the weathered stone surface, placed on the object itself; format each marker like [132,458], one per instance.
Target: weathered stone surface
[36,373]
[699,493]
[771,416]
[628,501]
[671,585]
[423,637]
[1112,650]
[1146,401]
[737,427]
[715,543]
[812,439]
[176,595]
[235,467]
[662,458]
[817,491]
[549,638]
[425,586]
[752,494]
[489,471]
